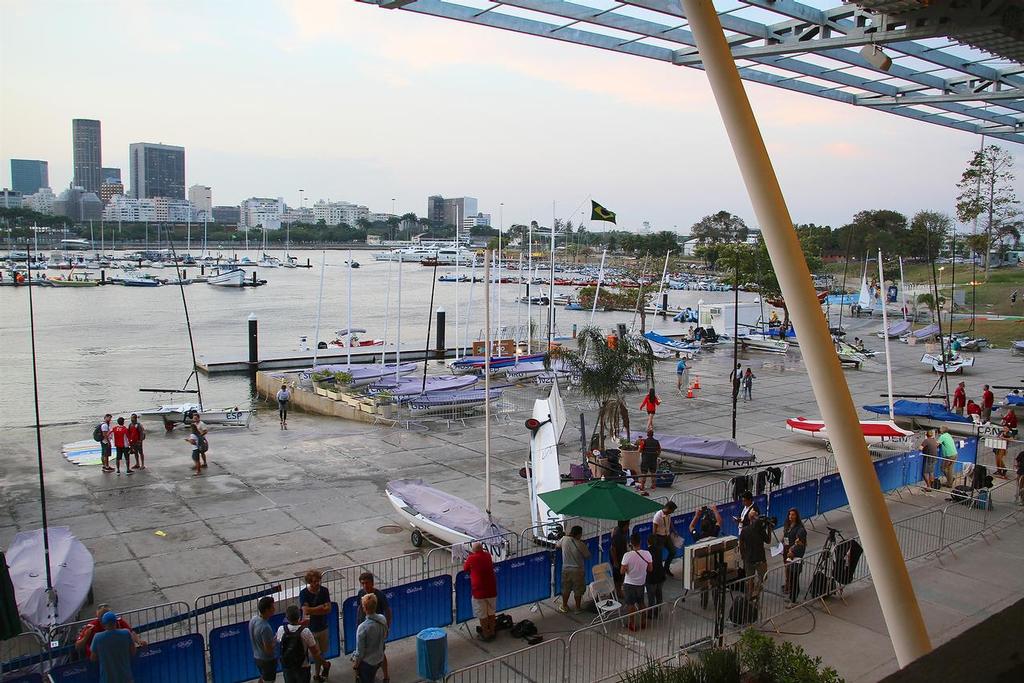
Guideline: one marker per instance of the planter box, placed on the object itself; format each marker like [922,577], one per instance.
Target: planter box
[319,391]
[630,460]
[334,395]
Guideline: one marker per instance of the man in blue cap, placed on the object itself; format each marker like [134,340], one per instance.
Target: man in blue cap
[113,649]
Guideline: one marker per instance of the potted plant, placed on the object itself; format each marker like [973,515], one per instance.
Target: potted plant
[322,380]
[341,380]
[630,455]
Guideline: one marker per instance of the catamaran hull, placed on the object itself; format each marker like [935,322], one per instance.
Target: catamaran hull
[875,431]
[957,428]
[766,345]
[949,367]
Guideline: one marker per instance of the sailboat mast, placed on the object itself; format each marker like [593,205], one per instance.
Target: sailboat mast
[398,331]
[319,306]
[487,383]
[469,308]
[387,309]
[661,286]
[903,291]
[458,285]
[529,278]
[348,350]
[885,336]
[497,290]
[519,295]
[551,281]
[597,290]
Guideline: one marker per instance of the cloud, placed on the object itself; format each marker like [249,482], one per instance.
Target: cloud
[844,150]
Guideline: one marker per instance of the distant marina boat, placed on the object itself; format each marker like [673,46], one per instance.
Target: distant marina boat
[139,280]
[73,281]
[230,278]
[350,338]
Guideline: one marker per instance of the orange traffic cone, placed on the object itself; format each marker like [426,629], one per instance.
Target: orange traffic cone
[696,383]
[689,393]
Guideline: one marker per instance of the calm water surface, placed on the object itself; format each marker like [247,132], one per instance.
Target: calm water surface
[97,346]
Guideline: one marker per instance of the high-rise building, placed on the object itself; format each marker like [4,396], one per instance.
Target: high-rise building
[451,210]
[78,205]
[28,175]
[156,170]
[111,175]
[201,197]
[109,190]
[88,159]
[226,215]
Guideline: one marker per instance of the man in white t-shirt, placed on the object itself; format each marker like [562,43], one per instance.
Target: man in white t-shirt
[635,565]
[298,647]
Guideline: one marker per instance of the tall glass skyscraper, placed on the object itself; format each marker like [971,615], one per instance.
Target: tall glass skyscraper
[85,134]
[156,170]
[28,175]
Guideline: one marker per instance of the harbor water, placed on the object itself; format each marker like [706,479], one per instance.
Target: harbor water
[97,346]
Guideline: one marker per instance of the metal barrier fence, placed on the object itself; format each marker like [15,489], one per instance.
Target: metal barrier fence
[538,664]
[606,649]
[157,622]
[20,646]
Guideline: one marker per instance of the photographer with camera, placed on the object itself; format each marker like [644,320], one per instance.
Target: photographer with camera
[753,539]
[706,523]
[794,541]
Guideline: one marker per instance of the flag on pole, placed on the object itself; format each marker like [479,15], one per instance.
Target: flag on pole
[599,213]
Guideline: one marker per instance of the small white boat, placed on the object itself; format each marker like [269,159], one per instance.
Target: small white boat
[875,431]
[435,514]
[951,366]
[228,278]
[760,342]
[174,414]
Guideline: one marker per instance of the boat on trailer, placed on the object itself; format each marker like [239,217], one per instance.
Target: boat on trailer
[925,415]
[174,414]
[875,431]
[761,342]
[455,402]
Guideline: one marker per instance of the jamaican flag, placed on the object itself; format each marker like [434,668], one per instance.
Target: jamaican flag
[599,213]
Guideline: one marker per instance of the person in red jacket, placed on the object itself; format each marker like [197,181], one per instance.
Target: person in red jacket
[973,409]
[988,399]
[650,404]
[484,586]
[136,435]
[959,399]
[119,435]
[83,642]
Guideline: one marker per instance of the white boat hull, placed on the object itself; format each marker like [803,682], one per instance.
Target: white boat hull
[231,278]
[952,367]
[171,415]
[766,345]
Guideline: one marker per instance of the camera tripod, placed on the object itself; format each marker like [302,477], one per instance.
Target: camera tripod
[823,581]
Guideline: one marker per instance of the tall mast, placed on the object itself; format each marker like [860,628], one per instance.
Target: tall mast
[487,383]
[885,336]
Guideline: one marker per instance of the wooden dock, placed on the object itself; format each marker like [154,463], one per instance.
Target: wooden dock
[304,359]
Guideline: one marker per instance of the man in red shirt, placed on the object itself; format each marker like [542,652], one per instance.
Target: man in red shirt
[136,435]
[988,399]
[83,642]
[484,585]
[119,435]
[959,399]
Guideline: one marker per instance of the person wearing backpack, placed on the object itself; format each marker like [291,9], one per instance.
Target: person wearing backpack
[101,434]
[298,646]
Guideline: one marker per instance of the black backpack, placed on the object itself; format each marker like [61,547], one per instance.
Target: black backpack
[293,650]
[97,434]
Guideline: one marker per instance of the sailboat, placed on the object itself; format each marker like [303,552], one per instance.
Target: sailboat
[874,431]
[436,514]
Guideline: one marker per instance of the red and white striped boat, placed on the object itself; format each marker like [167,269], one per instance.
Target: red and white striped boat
[875,431]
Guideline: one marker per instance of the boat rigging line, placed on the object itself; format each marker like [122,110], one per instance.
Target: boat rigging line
[430,318]
[51,595]
[938,315]
[188,322]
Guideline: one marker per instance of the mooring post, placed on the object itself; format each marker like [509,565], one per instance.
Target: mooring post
[254,353]
[439,348]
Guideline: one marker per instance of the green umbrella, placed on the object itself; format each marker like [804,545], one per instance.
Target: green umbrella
[10,622]
[599,499]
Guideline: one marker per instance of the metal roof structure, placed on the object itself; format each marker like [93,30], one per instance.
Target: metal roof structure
[953,63]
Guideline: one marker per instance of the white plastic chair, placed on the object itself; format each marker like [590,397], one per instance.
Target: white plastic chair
[602,592]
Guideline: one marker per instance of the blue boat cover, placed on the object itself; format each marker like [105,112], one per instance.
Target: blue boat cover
[699,447]
[669,342]
[907,408]
[1014,400]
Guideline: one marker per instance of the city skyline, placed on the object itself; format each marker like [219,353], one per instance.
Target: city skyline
[488,118]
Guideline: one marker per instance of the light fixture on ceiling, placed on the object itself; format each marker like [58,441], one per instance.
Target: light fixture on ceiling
[874,56]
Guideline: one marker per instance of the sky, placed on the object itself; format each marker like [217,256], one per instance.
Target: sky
[351,102]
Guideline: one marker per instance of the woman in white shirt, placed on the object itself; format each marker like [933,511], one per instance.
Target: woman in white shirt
[635,566]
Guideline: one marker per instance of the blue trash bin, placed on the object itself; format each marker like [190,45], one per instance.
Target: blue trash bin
[432,653]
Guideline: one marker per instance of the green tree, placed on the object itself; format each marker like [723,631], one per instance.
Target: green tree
[986,197]
[873,230]
[712,231]
[605,372]
[927,229]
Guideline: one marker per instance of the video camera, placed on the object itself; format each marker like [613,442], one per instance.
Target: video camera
[767,524]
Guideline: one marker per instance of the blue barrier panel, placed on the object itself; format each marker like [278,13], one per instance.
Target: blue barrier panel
[912,472]
[644,529]
[231,648]
[831,493]
[599,552]
[966,452]
[414,607]
[731,510]
[890,473]
[521,580]
[176,660]
[802,496]
[25,678]
[681,523]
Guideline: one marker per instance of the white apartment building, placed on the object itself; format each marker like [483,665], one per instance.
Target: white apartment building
[478,219]
[380,217]
[333,213]
[262,212]
[40,201]
[201,197]
[156,209]
[297,216]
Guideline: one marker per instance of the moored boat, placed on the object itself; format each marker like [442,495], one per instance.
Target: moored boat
[234,277]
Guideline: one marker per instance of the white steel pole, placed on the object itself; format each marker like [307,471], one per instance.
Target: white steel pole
[903,291]
[398,330]
[597,290]
[387,310]
[458,285]
[885,336]
[319,306]
[889,572]
[487,380]
[348,353]
[661,286]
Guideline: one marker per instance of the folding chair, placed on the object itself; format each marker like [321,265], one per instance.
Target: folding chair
[602,592]
[602,571]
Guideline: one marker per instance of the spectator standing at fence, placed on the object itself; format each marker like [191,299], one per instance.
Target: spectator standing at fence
[618,550]
[635,566]
[261,634]
[794,542]
[366,583]
[988,399]
[973,411]
[929,458]
[315,601]
[661,535]
[947,450]
[650,451]
[574,563]
[959,398]
[113,648]
[95,626]
[706,523]
[655,582]
[743,519]
[370,636]
[650,404]
[484,585]
[1009,425]
[752,541]
[298,648]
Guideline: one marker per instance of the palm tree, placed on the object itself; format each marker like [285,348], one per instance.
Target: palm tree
[605,372]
